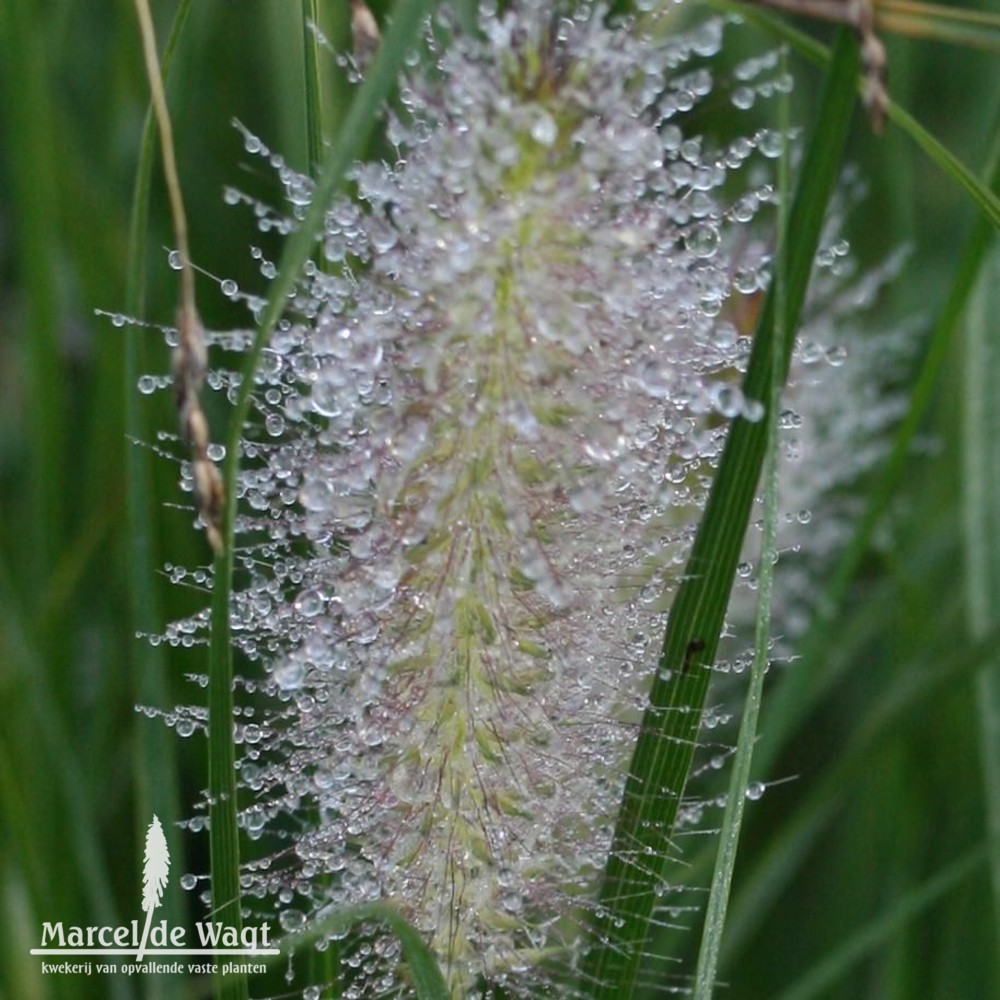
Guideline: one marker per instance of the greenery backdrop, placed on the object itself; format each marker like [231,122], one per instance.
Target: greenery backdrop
[884,741]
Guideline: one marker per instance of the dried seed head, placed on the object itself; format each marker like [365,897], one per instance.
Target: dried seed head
[189,363]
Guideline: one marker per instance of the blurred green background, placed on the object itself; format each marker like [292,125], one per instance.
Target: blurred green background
[883,803]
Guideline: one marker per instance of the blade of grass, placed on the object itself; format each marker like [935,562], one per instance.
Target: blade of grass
[188,363]
[938,12]
[668,734]
[842,958]
[933,28]
[357,127]
[951,165]
[732,819]
[155,769]
[325,965]
[887,716]
[800,689]
[139,215]
[425,973]
[987,202]
[27,107]
[53,754]
[858,629]
[918,20]
[981,516]
[313,88]
[776,867]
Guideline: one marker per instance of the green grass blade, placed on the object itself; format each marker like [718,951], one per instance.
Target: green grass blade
[41,727]
[27,106]
[353,136]
[800,689]
[423,970]
[139,216]
[155,770]
[313,86]
[951,165]
[981,510]
[889,719]
[841,959]
[669,731]
[717,907]
[987,202]
[985,35]
[224,829]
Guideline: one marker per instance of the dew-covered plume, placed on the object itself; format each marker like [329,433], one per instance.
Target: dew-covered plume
[483,435]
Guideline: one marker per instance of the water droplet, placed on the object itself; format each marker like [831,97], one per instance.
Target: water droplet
[310,603]
[146,384]
[753,410]
[706,39]
[728,400]
[655,379]
[316,495]
[755,790]
[836,355]
[703,241]
[512,902]
[585,498]
[544,130]
[175,260]
[291,920]
[745,208]
[811,352]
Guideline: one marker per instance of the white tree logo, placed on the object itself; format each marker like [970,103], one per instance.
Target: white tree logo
[155,868]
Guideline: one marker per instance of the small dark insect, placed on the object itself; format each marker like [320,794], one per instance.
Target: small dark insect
[694,647]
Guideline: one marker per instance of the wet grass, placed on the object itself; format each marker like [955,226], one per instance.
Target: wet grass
[866,876]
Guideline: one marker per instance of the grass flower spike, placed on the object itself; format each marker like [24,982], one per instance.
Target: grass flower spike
[489,424]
